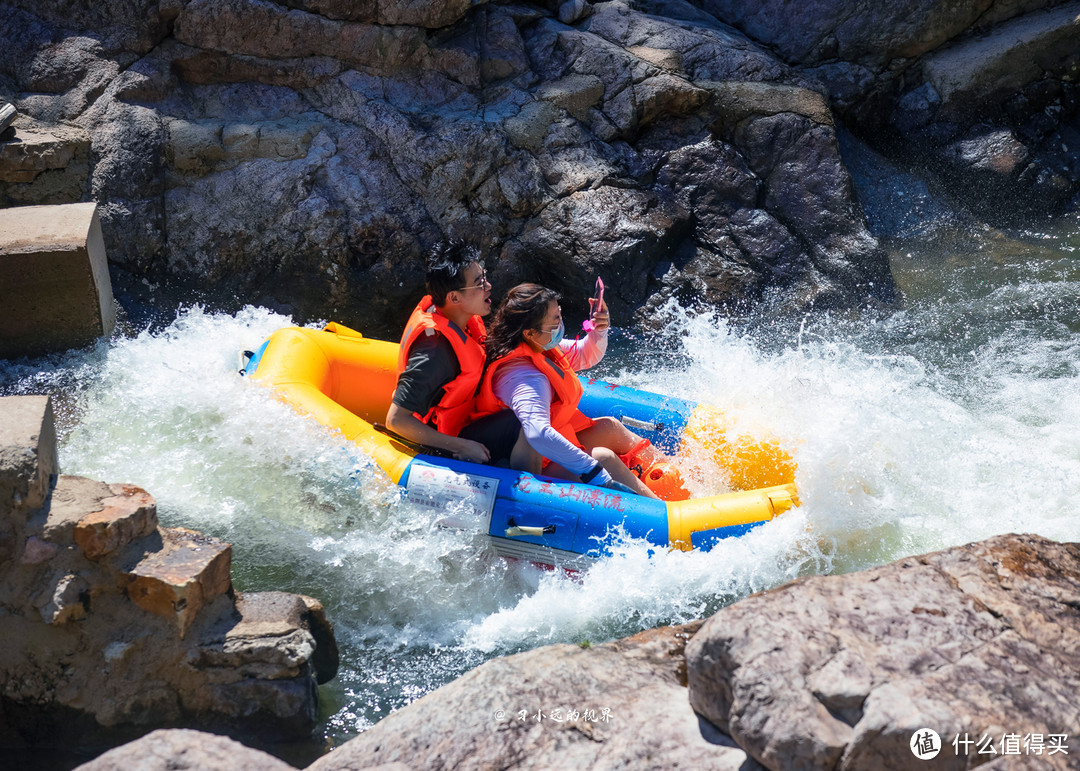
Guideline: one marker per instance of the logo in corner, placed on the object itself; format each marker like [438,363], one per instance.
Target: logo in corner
[925,744]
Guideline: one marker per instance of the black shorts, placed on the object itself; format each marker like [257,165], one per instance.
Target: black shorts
[498,432]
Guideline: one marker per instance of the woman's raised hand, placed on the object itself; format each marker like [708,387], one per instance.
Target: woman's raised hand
[599,316]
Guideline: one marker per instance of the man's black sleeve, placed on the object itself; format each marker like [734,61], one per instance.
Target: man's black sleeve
[432,364]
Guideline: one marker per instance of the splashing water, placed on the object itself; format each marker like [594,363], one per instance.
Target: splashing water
[947,422]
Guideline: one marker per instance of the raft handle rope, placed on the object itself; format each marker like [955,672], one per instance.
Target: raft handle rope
[640,425]
[242,360]
[514,531]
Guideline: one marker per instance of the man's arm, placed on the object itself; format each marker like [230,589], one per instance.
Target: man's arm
[431,365]
[402,421]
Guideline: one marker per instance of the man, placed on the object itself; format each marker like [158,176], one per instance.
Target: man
[440,363]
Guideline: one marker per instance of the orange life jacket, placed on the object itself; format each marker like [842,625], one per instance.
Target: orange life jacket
[458,401]
[565,386]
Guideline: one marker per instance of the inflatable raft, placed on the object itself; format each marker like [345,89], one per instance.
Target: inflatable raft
[345,381]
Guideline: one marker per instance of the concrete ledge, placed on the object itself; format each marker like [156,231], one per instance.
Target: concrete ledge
[55,291]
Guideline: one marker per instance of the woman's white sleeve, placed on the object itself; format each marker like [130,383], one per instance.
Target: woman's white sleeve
[528,393]
[584,353]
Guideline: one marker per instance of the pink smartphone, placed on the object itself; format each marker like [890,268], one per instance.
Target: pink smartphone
[595,304]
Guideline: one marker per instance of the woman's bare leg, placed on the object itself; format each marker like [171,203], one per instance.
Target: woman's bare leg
[609,432]
[619,472]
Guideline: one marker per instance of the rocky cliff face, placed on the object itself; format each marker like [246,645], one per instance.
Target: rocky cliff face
[312,151]
[981,93]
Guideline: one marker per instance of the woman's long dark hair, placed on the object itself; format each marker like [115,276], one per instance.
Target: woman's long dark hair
[524,308]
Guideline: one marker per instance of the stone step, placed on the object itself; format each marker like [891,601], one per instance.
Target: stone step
[55,291]
[43,163]
[257,638]
[190,571]
[72,499]
[129,514]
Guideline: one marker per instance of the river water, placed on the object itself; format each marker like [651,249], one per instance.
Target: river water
[951,420]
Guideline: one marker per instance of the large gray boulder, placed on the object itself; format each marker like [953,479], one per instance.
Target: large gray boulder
[841,672]
[180,749]
[618,705]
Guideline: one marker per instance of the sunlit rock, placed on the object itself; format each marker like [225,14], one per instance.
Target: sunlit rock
[188,572]
[183,749]
[618,705]
[129,514]
[73,498]
[111,626]
[842,671]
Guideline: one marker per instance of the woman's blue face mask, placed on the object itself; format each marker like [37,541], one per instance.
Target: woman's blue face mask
[556,337]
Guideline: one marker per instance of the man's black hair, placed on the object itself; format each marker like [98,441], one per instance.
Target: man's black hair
[446,268]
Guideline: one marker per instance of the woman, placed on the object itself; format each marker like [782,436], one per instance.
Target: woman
[531,369]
